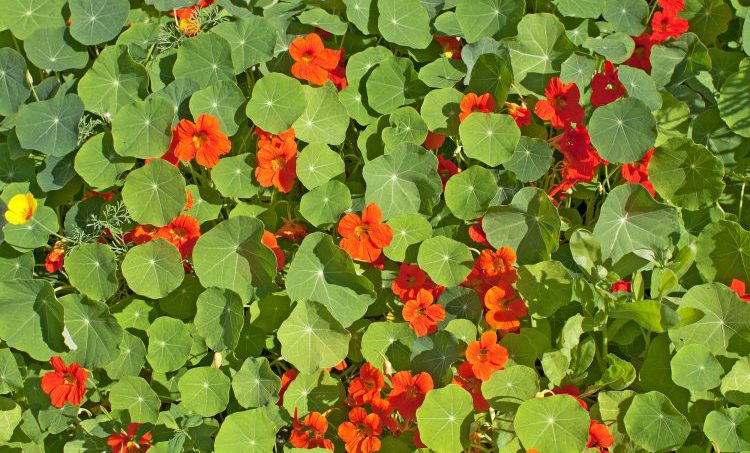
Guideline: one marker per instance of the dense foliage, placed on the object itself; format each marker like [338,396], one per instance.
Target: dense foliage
[374,225]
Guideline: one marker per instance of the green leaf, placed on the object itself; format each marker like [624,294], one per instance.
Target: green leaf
[50,126]
[631,220]
[231,256]
[248,431]
[707,18]
[313,392]
[386,85]
[32,234]
[113,81]
[169,344]
[489,18]
[490,138]
[649,314]
[389,341]
[685,174]
[545,287]
[363,14]
[97,21]
[529,225]
[616,47]
[13,82]
[205,58]
[440,110]
[204,390]
[153,269]
[23,17]
[130,359]
[408,231]
[318,164]
[406,126]
[641,86]
[622,131]
[626,16]
[653,423]
[444,419]
[33,319]
[251,40]
[55,50]
[447,261]
[10,417]
[324,20]
[98,164]
[552,424]
[92,269]
[219,318]
[510,387]
[694,368]
[469,193]
[491,74]
[619,373]
[143,129]
[723,250]
[10,376]
[94,331]
[734,99]
[679,60]
[233,176]
[404,22]
[727,428]
[530,160]
[435,354]
[155,193]
[578,69]
[323,272]
[312,339]
[735,386]
[255,384]
[405,181]
[325,204]
[276,102]
[221,100]
[442,73]
[134,395]
[324,119]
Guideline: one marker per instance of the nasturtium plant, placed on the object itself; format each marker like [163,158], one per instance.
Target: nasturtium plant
[360,226]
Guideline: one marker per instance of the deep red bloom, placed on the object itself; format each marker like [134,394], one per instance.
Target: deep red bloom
[360,433]
[310,433]
[486,356]
[367,386]
[422,313]
[665,24]
[471,384]
[291,230]
[56,258]
[637,172]
[621,285]
[606,86]
[202,140]
[599,437]
[451,46]
[127,442]
[738,286]
[571,390]
[472,103]
[476,233]
[277,162]
[521,115]
[562,104]
[182,232]
[103,195]
[410,280]
[269,240]
[672,5]
[641,57]
[580,160]
[312,61]
[65,383]
[446,168]
[286,378]
[365,237]
[433,140]
[338,74]
[408,392]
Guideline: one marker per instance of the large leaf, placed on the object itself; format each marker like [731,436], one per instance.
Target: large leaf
[694,368]
[251,40]
[254,384]
[552,424]
[404,22]
[204,390]
[143,129]
[96,21]
[153,269]
[324,119]
[447,261]
[113,81]
[276,103]
[50,126]
[169,344]
[248,431]
[489,137]
[489,18]
[654,424]
[94,331]
[135,395]
[444,419]
[13,82]
[219,318]
[727,428]
[155,193]
[23,17]
[622,131]
[55,49]
[205,58]
[92,270]
[469,193]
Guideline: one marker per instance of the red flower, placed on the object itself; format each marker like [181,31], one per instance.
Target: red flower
[408,392]
[141,234]
[423,314]
[637,172]
[384,409]
[521,115]
[182,232]
[367,386]
[580,160]
[310,433]
[571,390]
[127,442]
[433,140]
[451,46]
[486,356]
[738,286]
[364,238]
[103,195]
[476,233]
[471,384]
[621,285]
[561,106]
[312,61]
[65,383]
[202,140]
[189,203]
[599,437]
[269,240]
[360,433]
[291,230]
[56,258]
[277,162]
[338,74]
[606,86]
[446,168]
[410,280]
[472,103]
[641,57]
[672,5]
[666,24]
[287,378]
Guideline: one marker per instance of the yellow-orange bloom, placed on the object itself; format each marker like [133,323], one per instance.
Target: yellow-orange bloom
[21,209]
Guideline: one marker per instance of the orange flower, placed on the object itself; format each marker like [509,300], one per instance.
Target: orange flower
[738,286]
[310,433]
[367,386]
[472,103]
[56,258]
[65,383]
[286,379]
[471,384]
[409,391]
[599,437]
[291,230]
[269,240]
[361,432]
[477,234]
[507,318]
[127,442]
[182,232]
[562,104]
[384,409]
[277,162]
[422,314]
[189,202]
[364,238]
[202,140]
[498,263]
[410,280]
[141,234]
[486,356]
[521,115]
[189,26]
[312,61]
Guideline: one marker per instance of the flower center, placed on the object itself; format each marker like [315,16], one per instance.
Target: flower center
[412,392]
[308,56]
[198,139]
[70,379]
[278,164]
[361,230]
[560,103]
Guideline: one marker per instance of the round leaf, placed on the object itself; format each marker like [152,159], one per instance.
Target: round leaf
[155,193]
[219,318]
[622,131]
[469,193]
[205,58]
[134,395]
[276,103]
[444,419]
[97,21]
[248,431]
[653,423]
[153,269]
[50,126]
[255,385]
[694,368]
[143,129]
[490,138]
[447,261]
[530,160]
[552,424]
[54,49]
[92,270]
[169,344]
[95,333]
[204,390]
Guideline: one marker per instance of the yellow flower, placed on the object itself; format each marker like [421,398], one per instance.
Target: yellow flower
[190,26]
[21,209]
